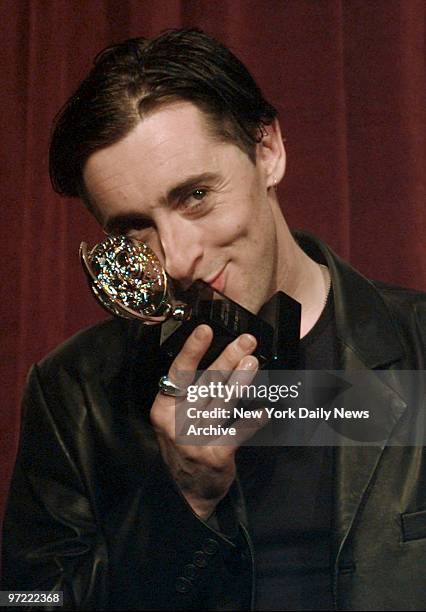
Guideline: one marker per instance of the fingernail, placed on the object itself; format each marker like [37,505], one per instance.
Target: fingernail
[246,342]
[250,364]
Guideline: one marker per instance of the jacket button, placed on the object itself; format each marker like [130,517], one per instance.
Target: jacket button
[183,585]
[199,559]
[190,571]
[210,547]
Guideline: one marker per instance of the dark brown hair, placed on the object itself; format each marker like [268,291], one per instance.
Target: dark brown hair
[130,79]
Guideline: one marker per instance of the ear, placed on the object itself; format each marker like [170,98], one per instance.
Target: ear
[270,154]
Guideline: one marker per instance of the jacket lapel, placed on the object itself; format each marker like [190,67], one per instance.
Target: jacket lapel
[355,465]
[369,341]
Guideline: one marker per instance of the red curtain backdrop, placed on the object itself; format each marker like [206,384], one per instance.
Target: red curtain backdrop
[348,78]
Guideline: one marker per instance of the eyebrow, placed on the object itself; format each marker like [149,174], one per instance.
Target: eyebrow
[125,221]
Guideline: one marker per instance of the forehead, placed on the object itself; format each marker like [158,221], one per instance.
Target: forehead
[164,150]
[177,134]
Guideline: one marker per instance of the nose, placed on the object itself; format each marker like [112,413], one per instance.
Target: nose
[182,247]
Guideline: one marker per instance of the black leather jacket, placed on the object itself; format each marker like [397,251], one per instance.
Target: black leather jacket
[94,512]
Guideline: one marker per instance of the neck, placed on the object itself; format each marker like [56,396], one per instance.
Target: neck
[300,276]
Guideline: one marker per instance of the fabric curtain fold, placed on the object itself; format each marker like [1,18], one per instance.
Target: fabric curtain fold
[348,78]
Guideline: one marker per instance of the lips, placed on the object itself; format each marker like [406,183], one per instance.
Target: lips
[218,281]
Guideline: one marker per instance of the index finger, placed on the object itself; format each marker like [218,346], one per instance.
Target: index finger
[185,364]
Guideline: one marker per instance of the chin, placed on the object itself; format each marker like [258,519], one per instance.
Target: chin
[249,302]
[248,297]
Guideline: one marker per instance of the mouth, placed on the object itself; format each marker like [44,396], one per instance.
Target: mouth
[218,281]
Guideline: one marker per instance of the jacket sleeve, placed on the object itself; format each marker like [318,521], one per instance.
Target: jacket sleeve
[136,545]
[50,538]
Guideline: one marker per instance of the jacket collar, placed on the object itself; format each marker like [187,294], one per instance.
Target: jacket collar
[363,321]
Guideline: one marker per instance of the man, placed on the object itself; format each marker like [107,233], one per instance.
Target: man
[170,141]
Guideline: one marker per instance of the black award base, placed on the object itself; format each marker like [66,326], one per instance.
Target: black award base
[276,327]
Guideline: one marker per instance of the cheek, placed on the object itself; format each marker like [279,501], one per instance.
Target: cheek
[233,232]
[231,227]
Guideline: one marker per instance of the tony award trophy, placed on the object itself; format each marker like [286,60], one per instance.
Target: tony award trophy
[129,281]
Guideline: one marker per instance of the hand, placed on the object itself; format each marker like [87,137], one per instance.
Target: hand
[204,473]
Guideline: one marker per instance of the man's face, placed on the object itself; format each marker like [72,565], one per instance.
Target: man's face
[199,203]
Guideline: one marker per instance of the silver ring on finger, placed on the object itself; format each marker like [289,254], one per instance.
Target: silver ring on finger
[168,387]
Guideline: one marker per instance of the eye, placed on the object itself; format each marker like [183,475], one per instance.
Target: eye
[194,200]
[199,194]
